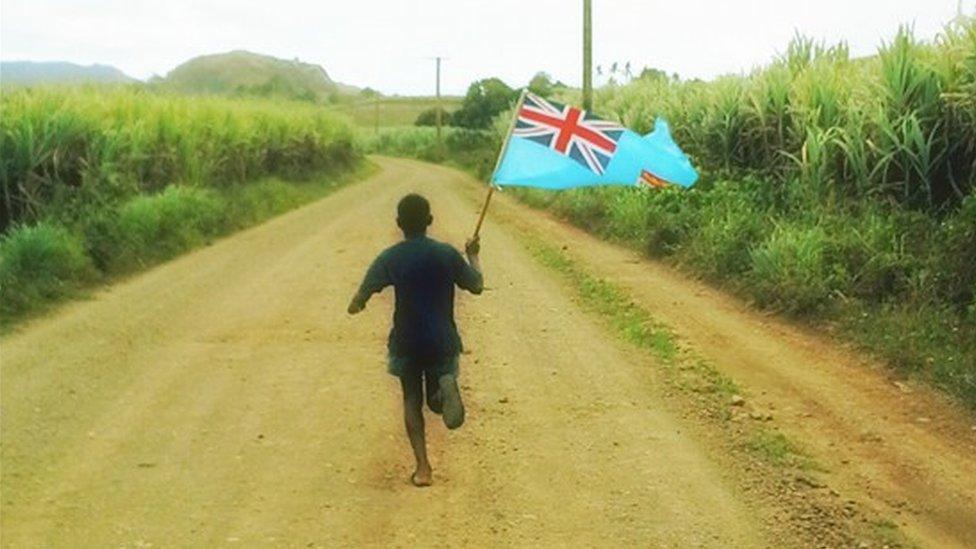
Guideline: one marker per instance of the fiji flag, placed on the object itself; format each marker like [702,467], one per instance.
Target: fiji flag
[556,146]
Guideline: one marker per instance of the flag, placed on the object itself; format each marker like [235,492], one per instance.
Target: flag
[555,146]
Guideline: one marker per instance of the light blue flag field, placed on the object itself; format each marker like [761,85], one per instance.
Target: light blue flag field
[555,146]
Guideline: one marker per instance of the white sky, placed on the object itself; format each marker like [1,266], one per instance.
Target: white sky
[386,44]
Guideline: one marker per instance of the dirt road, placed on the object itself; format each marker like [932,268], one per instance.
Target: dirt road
[225,399]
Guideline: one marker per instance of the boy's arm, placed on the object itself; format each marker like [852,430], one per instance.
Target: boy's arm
[470,277]
[375,280]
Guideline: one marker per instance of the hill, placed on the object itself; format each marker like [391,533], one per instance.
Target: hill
[28,73]
[246,73]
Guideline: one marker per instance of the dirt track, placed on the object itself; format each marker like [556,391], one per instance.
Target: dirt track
[226,399]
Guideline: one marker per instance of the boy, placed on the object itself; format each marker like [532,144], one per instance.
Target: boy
[424,343]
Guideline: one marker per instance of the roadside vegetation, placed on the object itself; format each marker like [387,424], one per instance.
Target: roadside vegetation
[471,150]
[101,182]
[836,190]
[471,133]
[369,111]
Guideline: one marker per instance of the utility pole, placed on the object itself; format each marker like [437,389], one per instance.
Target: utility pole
[437,104]
[587,55]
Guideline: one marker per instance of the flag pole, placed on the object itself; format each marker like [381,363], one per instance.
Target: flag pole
[498,162]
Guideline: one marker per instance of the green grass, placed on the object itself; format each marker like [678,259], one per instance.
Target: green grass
[887,532]
[776,448]
[630,322]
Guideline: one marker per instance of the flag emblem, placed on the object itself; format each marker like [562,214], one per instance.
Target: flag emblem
[651,180]
[572,132]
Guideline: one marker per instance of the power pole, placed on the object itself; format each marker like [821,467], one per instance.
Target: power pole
[587,55]
[437,104]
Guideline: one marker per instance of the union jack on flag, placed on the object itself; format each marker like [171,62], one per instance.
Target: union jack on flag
[572,132]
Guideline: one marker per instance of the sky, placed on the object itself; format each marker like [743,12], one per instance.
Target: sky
[389,45]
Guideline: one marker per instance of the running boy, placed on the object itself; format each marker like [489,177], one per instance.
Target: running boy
[424,343]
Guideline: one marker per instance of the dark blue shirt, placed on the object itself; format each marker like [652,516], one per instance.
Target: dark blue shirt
[423,273]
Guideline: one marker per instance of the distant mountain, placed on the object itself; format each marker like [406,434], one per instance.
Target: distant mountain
[245,73]
[28,73]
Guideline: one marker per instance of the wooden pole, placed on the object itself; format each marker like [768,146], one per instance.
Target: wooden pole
[437,104]
[587,55]
[498,162]
[484,210]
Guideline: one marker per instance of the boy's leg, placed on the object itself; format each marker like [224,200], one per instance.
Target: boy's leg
[413,416]
[433,393]
[452,408]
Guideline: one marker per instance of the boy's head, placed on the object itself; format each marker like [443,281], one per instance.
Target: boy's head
[413,215]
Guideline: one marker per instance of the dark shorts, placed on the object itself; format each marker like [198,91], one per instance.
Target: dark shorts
[401,366]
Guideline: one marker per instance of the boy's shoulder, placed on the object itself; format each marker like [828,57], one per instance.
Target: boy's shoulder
[420,243]
[412,246]
[444,248]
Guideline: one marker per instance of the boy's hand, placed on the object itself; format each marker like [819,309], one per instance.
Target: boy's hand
[355,306]
[473,246]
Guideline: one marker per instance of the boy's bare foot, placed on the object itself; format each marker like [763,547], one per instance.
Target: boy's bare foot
[450,397]
[422,477]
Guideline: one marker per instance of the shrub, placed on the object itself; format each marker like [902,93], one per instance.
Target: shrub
[671,218]
[972,308]
[958,248]
[484,100]
[39,263]
[417,142]
[473,150]
[730,225]
[584,207]
[429,117]
[789,270]
[150,229]
[261,200]
[627,217]
[880,252]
